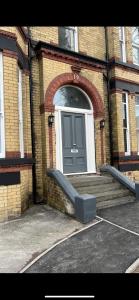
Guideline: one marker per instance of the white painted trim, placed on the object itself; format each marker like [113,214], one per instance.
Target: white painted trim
[89,128]
[2,134]
[20,108]
[72,109]
[123,43]
[59,151]
[90,143]
[76,40]
[127,131]
[81,173]
[90,146]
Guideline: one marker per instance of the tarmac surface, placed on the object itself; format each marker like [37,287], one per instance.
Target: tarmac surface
[110,246]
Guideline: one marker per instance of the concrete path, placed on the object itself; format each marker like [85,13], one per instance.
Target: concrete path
[110,246]
[23,239]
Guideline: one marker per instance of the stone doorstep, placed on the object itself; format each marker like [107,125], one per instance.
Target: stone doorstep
[134,268]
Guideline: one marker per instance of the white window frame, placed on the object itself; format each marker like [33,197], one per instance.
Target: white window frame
[75,29]
[20,109]
[122,42]
[137,129]
[2,133]
[137,47]
[127,128]
[76,40]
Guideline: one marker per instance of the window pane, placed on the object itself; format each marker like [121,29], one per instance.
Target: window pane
[135,55]
[138,140]
[125,140]
[124,116]
[66,38]
[72,39]
[71,97]
[135,35]
[124,98]
[125,122]
[137,100]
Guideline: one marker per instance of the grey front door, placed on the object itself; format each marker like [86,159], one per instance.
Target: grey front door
[73,142]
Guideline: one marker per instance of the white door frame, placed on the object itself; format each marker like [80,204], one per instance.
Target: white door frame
[90,142]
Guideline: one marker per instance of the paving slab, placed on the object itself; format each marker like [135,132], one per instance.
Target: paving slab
[23,239]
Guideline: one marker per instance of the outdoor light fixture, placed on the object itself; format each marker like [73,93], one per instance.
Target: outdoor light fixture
[102,124]
[51,120]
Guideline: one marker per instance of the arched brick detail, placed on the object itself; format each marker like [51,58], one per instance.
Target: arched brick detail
[77,80]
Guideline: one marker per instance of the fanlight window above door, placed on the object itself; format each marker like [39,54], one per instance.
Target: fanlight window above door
[70,96]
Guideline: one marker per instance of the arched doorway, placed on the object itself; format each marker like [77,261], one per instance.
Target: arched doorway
[74,125]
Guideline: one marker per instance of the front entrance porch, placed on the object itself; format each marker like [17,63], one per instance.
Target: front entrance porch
[74,126]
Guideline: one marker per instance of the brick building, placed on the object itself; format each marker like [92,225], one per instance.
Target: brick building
[65,91]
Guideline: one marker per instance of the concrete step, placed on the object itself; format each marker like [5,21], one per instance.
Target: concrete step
[109,195]
[93,189]
[115,202]
[108,191]
[89,181]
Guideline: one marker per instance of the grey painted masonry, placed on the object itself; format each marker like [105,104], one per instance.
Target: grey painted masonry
[133,187]
[85,205]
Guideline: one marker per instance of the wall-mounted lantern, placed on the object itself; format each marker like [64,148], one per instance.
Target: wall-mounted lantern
[51,119]
[102,124]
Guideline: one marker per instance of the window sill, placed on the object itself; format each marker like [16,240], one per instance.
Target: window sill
[136,64]
[127,153]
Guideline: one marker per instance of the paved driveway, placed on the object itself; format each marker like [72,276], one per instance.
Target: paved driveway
[110,246]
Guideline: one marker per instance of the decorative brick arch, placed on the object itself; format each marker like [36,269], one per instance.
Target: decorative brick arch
[77,80]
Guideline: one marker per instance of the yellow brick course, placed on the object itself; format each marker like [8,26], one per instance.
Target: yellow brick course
[132,175]
[45,34]
[92,41]
[26,188]
[14,199]
[11,103]
[117,122]
[124,74]
[132,123]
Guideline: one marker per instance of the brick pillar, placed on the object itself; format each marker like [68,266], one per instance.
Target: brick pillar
[132,123]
